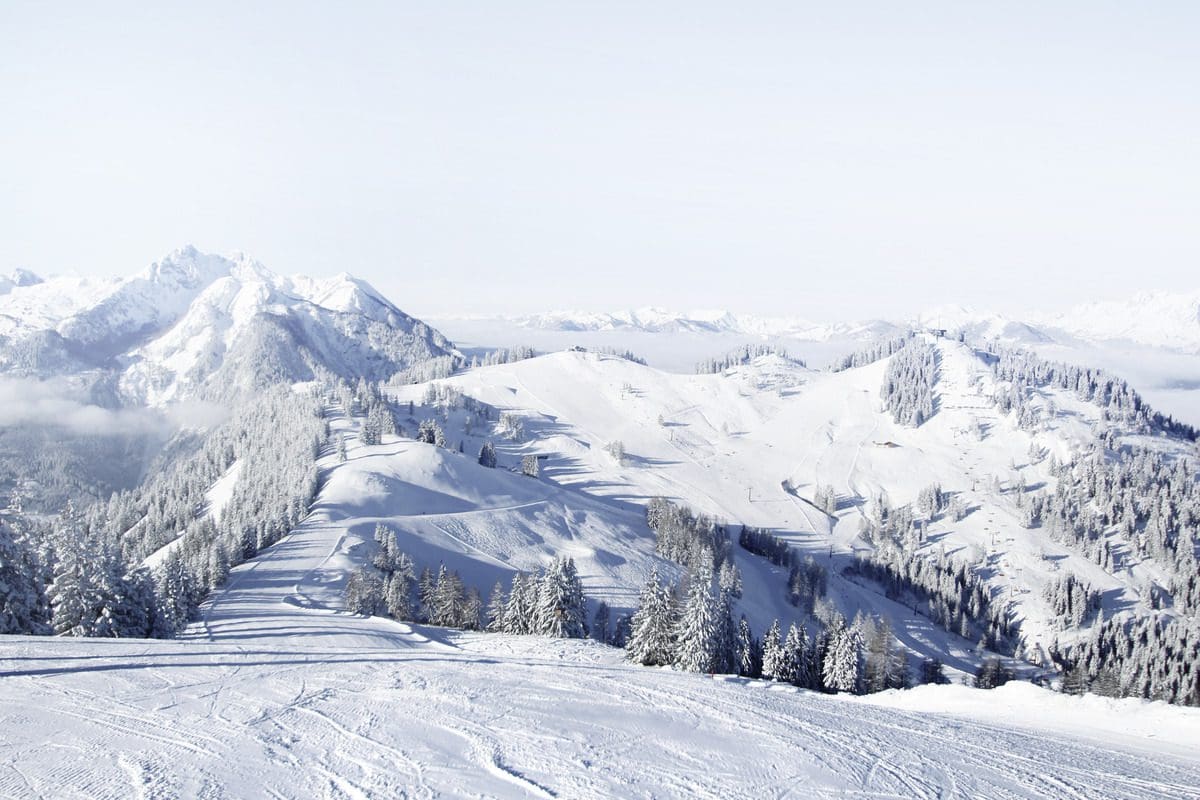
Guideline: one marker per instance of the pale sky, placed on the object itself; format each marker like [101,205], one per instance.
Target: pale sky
[826,160]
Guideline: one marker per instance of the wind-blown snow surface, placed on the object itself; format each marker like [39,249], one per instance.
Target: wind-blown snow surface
[418,712]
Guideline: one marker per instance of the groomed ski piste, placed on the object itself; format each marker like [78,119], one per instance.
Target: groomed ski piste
[277,691]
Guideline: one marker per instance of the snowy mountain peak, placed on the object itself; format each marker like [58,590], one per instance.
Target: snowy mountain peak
[18,278]
[195,323]
[187,266]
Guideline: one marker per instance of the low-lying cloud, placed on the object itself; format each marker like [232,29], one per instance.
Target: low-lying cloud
[55,403]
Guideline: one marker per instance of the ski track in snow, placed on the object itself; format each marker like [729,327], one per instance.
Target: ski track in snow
[413,722]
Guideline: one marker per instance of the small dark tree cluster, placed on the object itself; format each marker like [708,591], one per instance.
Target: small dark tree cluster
[992,673]
[549,603]
[762,542]
[1023,371]
[948,592]
[907,389]
[933,672]
[1155,658]
[741,356]
[504,355]
[877,351]
[686,538]
[807,580]
[1072,601]
[825,498]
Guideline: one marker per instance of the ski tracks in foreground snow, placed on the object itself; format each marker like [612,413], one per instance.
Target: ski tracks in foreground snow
[498,716]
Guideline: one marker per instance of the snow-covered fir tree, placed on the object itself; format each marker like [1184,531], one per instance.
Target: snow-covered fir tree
[531,466]
[23,604]
[487,455]
[774,661]
[602,623]
[798,657]
[651,635]
[697,629]
[364,592]
[495,609]
[560,610]
[521,605]
[748,652]
[842,668]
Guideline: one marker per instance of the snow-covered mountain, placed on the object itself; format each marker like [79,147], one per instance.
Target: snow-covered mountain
[724,444]
[982,509]
[981,325]
[201,325]
[16,278]
[658,320]
[1159,319]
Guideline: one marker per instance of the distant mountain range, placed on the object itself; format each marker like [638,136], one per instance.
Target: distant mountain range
[1157,319]
[195,325]
[657,320]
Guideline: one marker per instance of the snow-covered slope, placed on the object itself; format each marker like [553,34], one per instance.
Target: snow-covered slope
[199,325]
[724,444]
[277,691]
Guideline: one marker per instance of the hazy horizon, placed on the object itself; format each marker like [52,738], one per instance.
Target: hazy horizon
[413,305]
[823,162]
